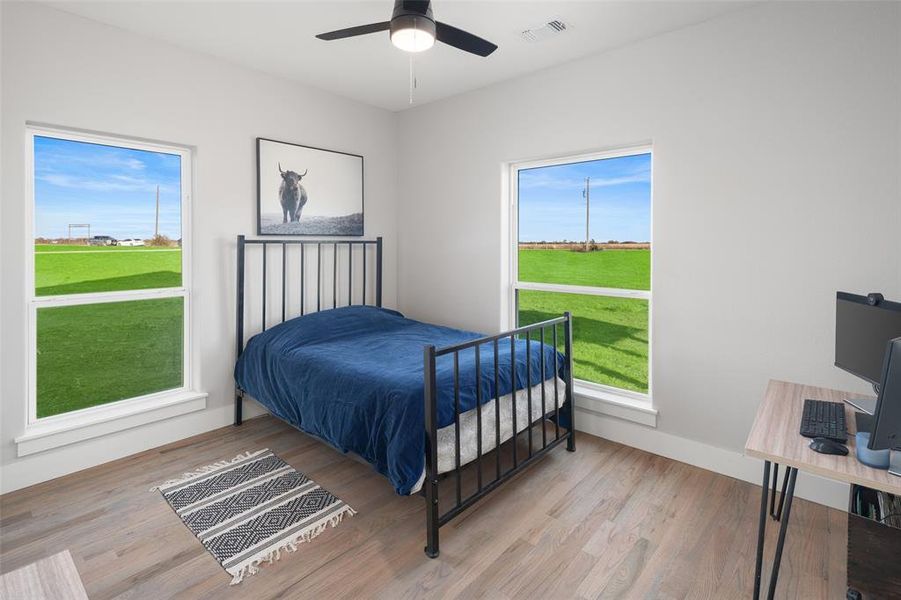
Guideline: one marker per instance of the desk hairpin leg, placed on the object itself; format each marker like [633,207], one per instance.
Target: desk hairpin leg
[775,513]
[785,503]
[773,493]
[761,528]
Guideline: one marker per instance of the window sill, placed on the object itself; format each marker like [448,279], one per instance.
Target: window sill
[62,430]
[620,404]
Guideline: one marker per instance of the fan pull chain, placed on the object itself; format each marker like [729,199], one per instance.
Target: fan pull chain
[412,79]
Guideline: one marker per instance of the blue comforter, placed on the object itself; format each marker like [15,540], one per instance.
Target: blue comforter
[353,376]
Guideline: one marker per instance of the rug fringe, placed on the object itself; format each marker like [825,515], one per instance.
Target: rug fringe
[289,545]
[208,468]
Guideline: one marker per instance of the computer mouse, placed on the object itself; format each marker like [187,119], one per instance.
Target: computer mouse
[827,446]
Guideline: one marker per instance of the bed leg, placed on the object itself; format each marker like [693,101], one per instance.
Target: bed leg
[571,436]
[431,519]
[239,405]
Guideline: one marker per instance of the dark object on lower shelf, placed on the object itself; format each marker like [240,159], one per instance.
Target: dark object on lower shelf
[873,551]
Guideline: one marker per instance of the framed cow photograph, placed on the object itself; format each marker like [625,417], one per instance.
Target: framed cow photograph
[308,191]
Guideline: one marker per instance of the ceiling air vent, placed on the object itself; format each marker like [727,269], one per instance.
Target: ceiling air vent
[545,30]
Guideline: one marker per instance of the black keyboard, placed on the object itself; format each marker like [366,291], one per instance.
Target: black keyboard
[824,419]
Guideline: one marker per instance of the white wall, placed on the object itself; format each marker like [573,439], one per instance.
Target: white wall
[776,182]
[67,71]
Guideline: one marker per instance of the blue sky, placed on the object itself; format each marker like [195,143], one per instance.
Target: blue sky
[552,208]
[112,188]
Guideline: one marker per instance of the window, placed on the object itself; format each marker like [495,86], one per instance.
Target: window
[109,295]
[582,236]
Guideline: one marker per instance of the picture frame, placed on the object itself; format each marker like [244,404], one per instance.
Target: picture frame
[308,191]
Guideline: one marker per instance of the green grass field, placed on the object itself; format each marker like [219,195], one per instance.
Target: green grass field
[92,354]
[98,353]
[624,269]
[81,269]
[83,248]
[610,335]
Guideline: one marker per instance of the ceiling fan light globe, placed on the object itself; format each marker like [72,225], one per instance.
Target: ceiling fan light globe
[412,40]
[412,33]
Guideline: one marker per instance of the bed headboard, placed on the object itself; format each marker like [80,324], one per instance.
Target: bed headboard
[293,277]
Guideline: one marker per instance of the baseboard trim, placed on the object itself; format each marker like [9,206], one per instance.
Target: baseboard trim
[712,458]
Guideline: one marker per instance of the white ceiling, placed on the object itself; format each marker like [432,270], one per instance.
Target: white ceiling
[277,37]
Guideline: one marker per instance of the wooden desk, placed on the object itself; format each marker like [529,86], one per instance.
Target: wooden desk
[775,438]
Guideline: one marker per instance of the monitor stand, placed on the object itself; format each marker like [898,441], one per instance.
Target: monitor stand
[867,405]
[864,422]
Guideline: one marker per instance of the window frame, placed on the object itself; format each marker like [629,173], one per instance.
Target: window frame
[598,391]
[126,406]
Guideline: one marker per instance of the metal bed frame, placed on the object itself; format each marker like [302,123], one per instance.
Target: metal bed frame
[435,518]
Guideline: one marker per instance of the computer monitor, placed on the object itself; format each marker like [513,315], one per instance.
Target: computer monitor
[886,433]
[864,325]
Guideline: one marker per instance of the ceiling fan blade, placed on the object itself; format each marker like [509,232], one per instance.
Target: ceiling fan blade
[340,34]
[463,40]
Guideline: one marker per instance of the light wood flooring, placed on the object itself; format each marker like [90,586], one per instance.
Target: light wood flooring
[608,521]
[52,578]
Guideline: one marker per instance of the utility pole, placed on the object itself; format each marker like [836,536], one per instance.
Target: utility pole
[587,194]
[156,226]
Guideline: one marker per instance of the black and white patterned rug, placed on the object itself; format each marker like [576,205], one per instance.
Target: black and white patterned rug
[248,509]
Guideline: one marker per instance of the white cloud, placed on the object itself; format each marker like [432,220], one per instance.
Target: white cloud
[545,180]
[112,183]
[105,160]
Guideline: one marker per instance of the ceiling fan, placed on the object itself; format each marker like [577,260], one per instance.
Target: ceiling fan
[414,29]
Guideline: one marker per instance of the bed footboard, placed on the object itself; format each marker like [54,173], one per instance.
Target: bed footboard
[539,442]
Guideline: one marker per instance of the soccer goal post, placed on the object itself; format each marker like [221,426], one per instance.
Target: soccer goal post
[81,226]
